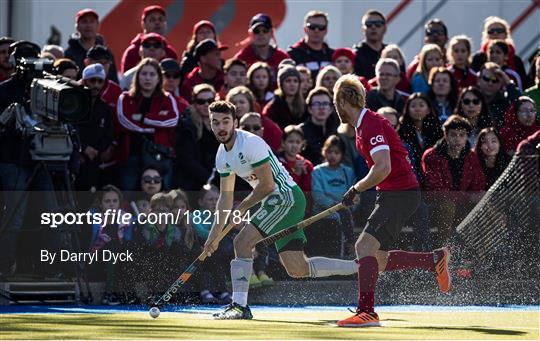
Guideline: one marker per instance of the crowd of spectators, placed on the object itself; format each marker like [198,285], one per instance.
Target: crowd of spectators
[149,147]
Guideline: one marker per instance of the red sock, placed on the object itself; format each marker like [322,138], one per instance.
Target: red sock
[368,272]
[399,259]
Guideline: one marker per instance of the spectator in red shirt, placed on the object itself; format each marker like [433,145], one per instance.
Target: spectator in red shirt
[261,32]
[6,69]
[452,176]
[519,122]
[292,144]
[458,55]
[311,51]
[153,20]
[152,46]
[492,155]
[111,90]
[287,107]
[209,71]
[245,103]
[259,81]
[202,30]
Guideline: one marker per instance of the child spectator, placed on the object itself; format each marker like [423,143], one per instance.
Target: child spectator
[492,155]
[292,144]
[343,59]
[431,56]
[259,80]
[459,54]
[519,123]
[472,105]
[419,129]
[287,107]
[306,81]
[322,123]
[442,92]
[498,52]
[330,180]
[452,177]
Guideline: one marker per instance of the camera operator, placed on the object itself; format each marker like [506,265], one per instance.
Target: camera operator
[6,69]
[95,134]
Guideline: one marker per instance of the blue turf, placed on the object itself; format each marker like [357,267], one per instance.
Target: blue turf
[100,309]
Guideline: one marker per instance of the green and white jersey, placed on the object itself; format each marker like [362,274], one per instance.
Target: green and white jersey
[250,151]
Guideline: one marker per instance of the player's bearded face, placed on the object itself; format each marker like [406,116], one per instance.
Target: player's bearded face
[223,127]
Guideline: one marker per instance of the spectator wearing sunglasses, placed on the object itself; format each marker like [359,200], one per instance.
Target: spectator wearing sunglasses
[472,105]
[151,181]
[171,82]
[153,20]
[436,33]
[496,28]
[210,69]
[195,143]
[321,123]
[312,51]
[111,90]
[152,46]
[369,50]
[258,47]
[85,37]
[500,92]
[96,133]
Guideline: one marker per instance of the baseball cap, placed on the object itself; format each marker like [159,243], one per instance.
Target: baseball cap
[170,65]
[84,12]
[206,46]
[203,23]
[155,36]
[260,19]
[147,10]
[94,71]
[98,52]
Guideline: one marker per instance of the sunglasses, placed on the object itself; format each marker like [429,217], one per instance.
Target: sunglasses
[95,80]
[374,23]
[171,75]
[324,105]
[261,31]
[491,79]
[435,32]
[156,45]
[468,101]
[254,127]
[201,101]
[151,179]
[314,27]
[496,31]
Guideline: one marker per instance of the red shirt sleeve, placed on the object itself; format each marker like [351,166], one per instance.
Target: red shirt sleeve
[373,137]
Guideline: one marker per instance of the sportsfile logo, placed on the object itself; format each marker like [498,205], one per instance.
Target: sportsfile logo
[376,139]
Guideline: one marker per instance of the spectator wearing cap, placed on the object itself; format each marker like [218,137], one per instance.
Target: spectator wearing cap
[6,69]
[171,81]
[235,75]
[435,33]
[153,20]
[209,71]
[385,93]
[85,37]
[95,133]
[259,49]
[287,107]
[202,30]
[152,46]
[343,59]
[312,51]
[369,50]
[111,90]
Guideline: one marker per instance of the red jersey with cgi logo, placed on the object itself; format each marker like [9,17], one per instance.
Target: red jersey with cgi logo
[374,133]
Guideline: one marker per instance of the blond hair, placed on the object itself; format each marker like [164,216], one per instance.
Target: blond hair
[427,49]
[195,116]
[496,20]
[348,89]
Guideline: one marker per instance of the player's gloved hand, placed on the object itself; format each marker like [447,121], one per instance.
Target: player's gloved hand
[349,197]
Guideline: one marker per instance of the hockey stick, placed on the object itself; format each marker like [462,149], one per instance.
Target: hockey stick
[184,277]
[301,225]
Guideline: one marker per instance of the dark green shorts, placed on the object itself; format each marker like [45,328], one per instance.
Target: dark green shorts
[277,212]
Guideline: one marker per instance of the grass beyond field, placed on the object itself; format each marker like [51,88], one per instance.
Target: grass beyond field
[276,323]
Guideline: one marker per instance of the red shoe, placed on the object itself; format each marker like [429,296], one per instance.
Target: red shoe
[360,319]
[442,258]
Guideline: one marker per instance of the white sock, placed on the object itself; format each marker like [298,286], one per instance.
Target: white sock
[324,267]
[241,269]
